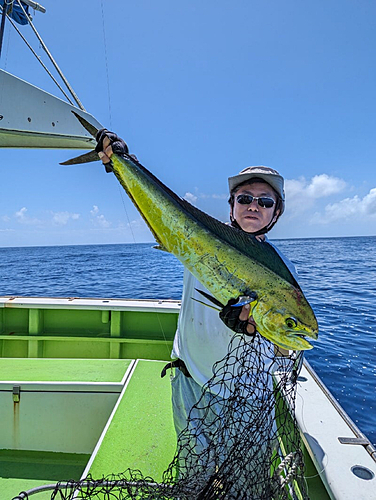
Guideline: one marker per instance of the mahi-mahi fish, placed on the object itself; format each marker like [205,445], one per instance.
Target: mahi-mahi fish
[227,261]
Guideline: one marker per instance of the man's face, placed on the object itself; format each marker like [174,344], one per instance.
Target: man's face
[251,218]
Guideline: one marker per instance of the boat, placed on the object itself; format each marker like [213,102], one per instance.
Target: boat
[80,388]
[74,375]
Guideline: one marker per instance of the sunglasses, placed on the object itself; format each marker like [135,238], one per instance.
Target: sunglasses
[263,201]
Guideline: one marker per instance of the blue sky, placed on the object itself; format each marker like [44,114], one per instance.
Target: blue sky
[200,90]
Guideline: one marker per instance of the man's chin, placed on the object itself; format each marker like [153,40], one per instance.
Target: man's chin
[250,226]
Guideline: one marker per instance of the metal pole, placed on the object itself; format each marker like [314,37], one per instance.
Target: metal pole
[74,95]
[35,5]
[2,27]
[40,61]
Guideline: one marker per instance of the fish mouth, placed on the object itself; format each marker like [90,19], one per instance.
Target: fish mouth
[295,341]
[299,341]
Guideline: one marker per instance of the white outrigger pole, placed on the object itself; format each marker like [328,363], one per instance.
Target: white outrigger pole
[33,118]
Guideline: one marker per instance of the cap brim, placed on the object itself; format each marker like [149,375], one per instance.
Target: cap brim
[275,181]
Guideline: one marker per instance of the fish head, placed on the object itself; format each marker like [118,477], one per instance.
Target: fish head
[286,320]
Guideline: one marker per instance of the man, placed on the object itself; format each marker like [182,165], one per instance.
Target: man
[211,375]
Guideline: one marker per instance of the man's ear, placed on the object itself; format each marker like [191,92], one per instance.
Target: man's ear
[275,216]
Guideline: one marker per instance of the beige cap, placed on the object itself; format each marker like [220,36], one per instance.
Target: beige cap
[267,174]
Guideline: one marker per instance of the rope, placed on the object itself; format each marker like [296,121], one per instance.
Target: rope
[40,61]
[106,61]
[2,27]
[73,94]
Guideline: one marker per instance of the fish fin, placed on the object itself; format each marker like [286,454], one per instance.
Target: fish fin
[245,299]
[85,158]
[161,247]
[207,305]
[211,298]
[87,126]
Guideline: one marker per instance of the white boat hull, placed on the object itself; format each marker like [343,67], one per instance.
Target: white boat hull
[33,118]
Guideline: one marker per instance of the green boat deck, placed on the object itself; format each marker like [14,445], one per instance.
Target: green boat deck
[139,433]
[63,370]
[91,396]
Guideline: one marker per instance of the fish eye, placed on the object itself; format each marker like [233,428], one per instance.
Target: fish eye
[291,323]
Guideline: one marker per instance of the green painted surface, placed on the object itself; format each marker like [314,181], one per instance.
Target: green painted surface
[63,370]
[23,470]
[316,488]
[93,323]
[89,348]
[141,434]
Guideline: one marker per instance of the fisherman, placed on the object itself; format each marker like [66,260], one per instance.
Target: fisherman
[257,200]
[203,336]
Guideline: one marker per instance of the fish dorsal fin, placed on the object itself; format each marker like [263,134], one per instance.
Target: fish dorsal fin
[260,251]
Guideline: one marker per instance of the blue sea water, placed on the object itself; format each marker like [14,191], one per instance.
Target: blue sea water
[338,276]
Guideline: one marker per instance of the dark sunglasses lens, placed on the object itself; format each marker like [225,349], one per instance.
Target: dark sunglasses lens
[247,199]
[266,202]
[244,199]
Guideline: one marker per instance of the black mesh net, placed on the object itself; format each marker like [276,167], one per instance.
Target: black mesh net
[241,439]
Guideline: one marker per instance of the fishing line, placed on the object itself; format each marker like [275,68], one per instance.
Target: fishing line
[110,112]
[126,213]
[106,63]
[134,241]
[120,190]
[110,116]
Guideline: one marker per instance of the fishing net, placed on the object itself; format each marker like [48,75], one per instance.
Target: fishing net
[241,439]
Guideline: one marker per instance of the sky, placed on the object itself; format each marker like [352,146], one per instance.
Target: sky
[200,90]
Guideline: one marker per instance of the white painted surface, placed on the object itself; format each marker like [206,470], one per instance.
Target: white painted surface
[321,426]
[138,305]
[69,422]
[33,118]
[57,416]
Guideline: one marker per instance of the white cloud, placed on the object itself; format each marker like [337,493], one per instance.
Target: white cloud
[190,197]
[23,218]
[99,219]
[102,222]
[5,218]
[301,193]
[349,208]
[21,214]
[95,210]
[324,185]
[62,218]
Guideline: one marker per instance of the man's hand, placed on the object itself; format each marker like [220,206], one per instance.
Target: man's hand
[107,152]
[109,143]
[238,318]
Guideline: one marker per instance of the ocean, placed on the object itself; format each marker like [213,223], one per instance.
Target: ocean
[338,276]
